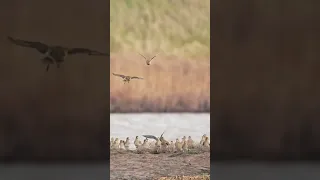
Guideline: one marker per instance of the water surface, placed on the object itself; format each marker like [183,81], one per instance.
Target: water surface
[175,125]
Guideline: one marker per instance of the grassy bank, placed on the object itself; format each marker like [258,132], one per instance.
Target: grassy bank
[178,79]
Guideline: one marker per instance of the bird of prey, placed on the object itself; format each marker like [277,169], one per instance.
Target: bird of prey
[126,78]
[54,54]
[148,61]
[153,137]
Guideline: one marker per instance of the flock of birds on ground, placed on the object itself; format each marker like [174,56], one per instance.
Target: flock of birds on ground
[53,54]
[161,145]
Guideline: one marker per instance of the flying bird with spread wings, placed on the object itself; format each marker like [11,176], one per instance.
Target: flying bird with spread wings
[54,54]
[153,137]
[126,79]
[148,61]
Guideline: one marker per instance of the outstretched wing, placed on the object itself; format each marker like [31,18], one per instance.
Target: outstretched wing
[152,58]
[143,56]
[37,45]
[135,77]
[120,75]
[85,51]
[162,133]
[150,137]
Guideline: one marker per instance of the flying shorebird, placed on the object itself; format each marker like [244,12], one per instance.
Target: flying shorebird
[126,78]
[54,54]
[148,61]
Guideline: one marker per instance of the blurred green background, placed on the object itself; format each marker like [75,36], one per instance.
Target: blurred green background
[177,27]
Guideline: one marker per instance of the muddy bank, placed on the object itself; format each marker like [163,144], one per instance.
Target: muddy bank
[149,166]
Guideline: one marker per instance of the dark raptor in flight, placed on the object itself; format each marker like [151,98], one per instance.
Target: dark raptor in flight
[54,54]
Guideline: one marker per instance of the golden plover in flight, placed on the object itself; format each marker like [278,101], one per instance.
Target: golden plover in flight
[54,54]
[126,79]
[148,61]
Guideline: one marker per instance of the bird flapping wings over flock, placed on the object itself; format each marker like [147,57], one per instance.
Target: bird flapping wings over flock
[85,51]
[123,76]
[41,47]
[148,60]
[54,54]
[136,77]
[126,79]
[152,136]
[120,75]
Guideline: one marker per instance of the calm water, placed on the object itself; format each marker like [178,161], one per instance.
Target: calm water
[174,125]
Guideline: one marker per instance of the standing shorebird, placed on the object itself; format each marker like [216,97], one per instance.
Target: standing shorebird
[148,61]
[127,143]
[136,142]
[54,54]
[126,79]
[178,145]
[190,142]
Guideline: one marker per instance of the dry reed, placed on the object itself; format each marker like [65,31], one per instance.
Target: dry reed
[168,85]
[179,79]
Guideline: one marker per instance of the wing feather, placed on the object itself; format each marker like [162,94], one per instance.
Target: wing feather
[162,133]
[120,75]
[41,47]
[85,51]
[143,56]
[153,58]
[135,77]
[150,137]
